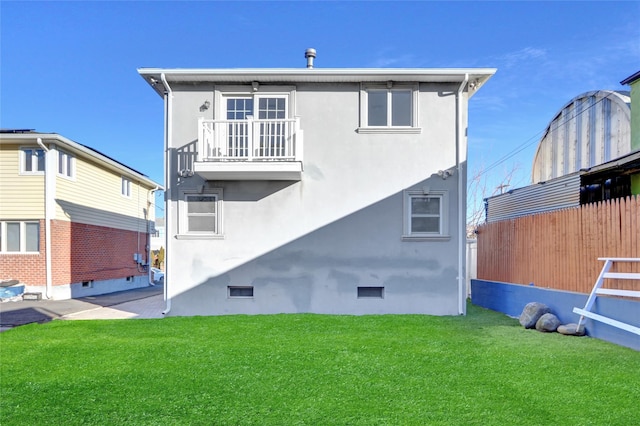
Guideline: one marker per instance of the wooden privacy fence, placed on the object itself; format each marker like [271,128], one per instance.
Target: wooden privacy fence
[560,249]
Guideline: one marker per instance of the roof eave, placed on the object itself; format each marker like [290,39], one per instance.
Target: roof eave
[153,76]
[76,148]
[631,78]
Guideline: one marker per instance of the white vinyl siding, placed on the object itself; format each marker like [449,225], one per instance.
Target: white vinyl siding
[22,194]
[95,198]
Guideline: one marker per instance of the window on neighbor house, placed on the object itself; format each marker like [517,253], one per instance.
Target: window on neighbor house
[19,237]
[200,214]
[32,160]
[388,108]
[425,214]
[66,164]
[126,187]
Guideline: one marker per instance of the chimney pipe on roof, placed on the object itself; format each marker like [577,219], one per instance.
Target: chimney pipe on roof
[310,54]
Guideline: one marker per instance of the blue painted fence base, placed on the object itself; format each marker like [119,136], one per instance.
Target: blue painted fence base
[512,298]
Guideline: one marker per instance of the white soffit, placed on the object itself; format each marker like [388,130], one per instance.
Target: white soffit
[325,75]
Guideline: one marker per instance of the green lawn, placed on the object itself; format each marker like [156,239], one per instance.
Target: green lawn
[481,369]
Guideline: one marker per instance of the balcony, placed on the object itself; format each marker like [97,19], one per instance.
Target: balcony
[249,149]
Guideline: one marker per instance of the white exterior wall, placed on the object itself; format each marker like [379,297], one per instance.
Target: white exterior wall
[306,246]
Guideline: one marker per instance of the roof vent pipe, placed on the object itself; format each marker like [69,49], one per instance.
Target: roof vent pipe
[310,54]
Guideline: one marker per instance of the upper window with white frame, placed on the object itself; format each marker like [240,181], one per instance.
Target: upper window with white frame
[201,214]
[125,187]
[20,237]
[66,164]
[389,108]
[32,161]
[425,215]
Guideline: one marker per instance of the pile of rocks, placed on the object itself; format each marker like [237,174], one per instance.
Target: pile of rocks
[539,316]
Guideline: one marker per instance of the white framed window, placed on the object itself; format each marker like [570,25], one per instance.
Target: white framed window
[19,236]
[32,161]
[125,187]
[425,215]
[66,165]
[200,214]
[390,108]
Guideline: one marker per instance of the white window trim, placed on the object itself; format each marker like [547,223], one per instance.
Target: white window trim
[70,161]
[22,163]
[183,224]
[364,128]
[23,237]
[125,180]
[443,235]
[221,93]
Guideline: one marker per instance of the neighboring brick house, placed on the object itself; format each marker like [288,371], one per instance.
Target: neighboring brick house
[337,191]
[73,222]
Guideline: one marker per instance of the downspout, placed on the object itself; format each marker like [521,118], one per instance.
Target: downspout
[49,191]
[462,237]
[152,203]
[168,128]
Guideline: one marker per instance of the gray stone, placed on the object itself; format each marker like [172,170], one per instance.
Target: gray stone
[570,330]
[548,323]
[532,313]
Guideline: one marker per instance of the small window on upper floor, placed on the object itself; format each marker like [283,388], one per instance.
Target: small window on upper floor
[66,164]
[389,108]
[126,187]
[32,161]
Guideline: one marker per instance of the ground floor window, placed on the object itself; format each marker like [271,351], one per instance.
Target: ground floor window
[425,214]
[19,237]
[201,213]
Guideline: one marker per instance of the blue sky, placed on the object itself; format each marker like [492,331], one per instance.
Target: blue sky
[71,67]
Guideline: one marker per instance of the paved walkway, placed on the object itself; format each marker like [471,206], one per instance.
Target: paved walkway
[149,307]
[144,302]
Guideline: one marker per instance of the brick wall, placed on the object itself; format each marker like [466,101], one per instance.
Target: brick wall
[88,252]
[80,253]
[28,268]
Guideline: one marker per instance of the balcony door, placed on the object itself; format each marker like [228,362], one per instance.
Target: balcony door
[263,136]
[238,112]
[272,112]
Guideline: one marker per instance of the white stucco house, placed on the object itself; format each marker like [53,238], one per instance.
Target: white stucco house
[338,191]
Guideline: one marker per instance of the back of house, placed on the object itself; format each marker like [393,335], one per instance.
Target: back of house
[336,191]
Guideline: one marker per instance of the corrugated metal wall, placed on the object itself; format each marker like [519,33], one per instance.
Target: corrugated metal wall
[557,194]
[591,129]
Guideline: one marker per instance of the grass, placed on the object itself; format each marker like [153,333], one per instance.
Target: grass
[482,369]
